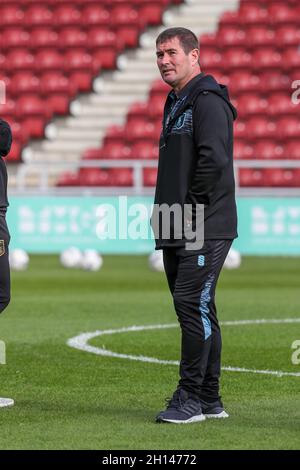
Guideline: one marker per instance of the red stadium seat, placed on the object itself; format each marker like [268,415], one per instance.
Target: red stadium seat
[11,15]
[250,104]
[207,39]
[137,110]
[48,59]
[5,83]
[276,81]
[211,58]
[288,127]
[288,35]
[15,152]
[281,103]
[291,59]
[271,2]
[139,129]
[237,58]
[292,150]
[24,82]
[78,59]
[14,37]
[92,154]
[230,18]
[57,90]
[105,58]
[33,114]
[240,130]
[260,36]
[150,176]
[43,37]
[243,150]
[31,105]
[19,133]
[125,14]
[155,107]
[278,12]
[261,127]
[243,80]
[81,79]
[68,179]
[279,177]
[102,36]
[95,15]
[115,150]
[94,177]
[151,11]
[251,177]
[19,59]
[266,57]
[56,82]
[72,37]
[222,78]
[159,88]
[268,150]
[121,176]
[67,15]
[144,151]
[253,13]
[127,23]
[115,134]
[8,109]
[38,15]
[230,36]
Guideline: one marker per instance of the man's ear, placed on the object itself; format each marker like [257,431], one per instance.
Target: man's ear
[195,57]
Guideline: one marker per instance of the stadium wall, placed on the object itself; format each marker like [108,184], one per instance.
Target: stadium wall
[267,225]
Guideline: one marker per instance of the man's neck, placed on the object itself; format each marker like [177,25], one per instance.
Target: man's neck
[181,85]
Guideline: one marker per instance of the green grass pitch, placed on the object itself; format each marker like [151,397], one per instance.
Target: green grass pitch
[71,399]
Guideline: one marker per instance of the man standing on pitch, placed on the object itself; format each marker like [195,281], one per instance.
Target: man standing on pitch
[196,169]
[5,144]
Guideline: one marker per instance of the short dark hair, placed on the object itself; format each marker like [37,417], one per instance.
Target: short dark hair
[188,40]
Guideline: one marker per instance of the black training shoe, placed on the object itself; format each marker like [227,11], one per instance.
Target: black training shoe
[182,408]
[214,409]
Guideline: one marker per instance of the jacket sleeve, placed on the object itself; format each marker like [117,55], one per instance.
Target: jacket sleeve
[211,140]
[5,138]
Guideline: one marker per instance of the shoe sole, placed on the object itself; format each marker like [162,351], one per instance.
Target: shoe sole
[194,419]
[223,414]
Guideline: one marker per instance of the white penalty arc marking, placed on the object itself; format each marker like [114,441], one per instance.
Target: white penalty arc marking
[81,342]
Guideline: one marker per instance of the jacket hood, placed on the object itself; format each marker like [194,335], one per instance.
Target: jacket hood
[208,83]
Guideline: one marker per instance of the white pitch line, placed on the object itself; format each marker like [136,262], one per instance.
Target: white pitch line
[262,321]
[80,342]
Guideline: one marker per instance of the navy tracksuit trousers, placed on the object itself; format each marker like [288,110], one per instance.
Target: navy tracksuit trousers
[4,265]
[192,278]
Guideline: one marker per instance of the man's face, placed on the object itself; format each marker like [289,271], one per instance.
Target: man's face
[176,67]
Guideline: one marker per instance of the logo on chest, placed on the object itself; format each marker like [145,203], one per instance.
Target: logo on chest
[184,123]
[180,121]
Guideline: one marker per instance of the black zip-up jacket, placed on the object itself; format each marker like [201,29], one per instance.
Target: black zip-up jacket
[5,144]
[196,157]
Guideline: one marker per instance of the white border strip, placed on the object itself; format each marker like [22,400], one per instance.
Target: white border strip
[81,342]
